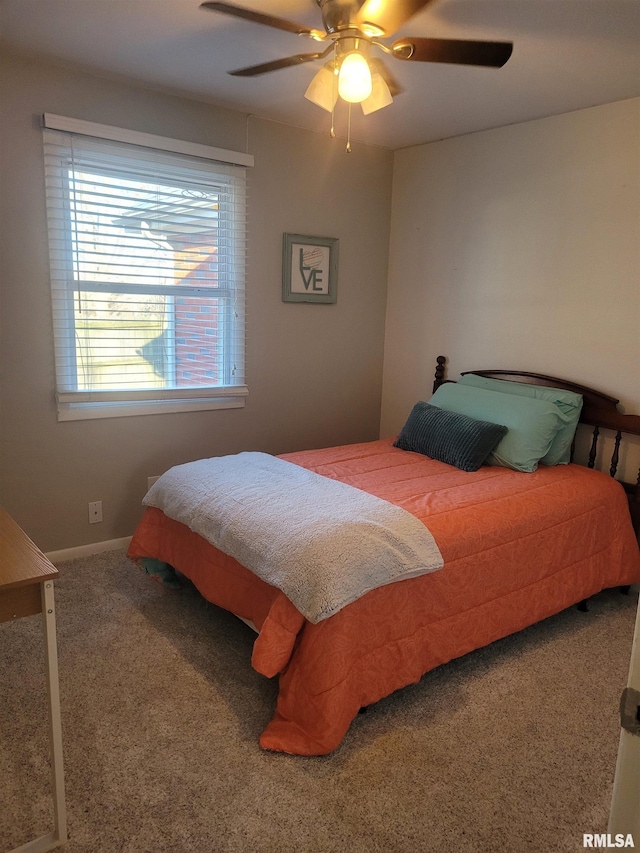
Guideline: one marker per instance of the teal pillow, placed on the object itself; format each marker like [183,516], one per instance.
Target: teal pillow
[567,401]
[449,437]
[532,424]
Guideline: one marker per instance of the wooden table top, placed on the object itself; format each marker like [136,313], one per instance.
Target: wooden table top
[21,563]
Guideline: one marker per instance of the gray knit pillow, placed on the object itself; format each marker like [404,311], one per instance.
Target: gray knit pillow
[449,437]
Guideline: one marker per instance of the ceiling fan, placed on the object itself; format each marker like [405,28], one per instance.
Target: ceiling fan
[351,29]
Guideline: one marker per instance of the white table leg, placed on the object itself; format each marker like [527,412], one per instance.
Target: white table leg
[53,690]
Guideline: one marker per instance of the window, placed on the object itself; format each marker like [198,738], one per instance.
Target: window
[147,271]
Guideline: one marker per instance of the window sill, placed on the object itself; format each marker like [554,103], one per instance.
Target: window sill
[93,411]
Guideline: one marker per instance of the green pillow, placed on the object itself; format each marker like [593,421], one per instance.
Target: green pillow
[567,401]
[449,437]
[532,424]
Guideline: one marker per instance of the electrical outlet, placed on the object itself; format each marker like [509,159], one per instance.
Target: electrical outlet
[95,512]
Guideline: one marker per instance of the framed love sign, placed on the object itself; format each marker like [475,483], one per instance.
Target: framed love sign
[309,268]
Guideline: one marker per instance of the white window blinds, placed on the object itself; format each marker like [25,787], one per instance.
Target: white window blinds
[147,257]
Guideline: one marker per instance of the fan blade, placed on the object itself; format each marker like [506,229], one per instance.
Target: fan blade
[387,15]
[260,18]
[276,64]
[489,53]
[394,87]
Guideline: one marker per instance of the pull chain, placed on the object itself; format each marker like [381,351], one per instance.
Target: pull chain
[349,132]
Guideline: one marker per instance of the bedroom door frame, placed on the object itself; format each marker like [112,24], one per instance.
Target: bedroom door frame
[624,816]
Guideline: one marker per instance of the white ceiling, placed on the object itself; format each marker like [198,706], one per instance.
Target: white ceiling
[567,55]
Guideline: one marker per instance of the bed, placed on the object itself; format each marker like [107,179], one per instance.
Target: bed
[517,547]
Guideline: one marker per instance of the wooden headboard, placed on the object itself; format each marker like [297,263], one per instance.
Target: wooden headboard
[599,411]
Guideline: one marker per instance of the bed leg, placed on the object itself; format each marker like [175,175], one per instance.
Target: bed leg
[625,589]
[582,605]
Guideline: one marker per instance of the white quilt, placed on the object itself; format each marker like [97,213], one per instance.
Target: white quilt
[322,542]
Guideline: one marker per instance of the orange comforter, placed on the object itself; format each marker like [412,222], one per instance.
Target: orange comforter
[517,548]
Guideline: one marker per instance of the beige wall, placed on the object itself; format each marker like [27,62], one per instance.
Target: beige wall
[518,248]
[314,371]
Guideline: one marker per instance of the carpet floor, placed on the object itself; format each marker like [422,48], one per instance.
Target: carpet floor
[508,750]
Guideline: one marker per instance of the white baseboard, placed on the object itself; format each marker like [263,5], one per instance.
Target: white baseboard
[88,550]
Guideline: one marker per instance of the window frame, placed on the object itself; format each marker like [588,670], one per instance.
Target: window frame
[79,404]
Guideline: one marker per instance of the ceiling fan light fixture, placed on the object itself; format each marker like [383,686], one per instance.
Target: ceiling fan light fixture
[380,95]
[352,28]
[354,79]
[322,90]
